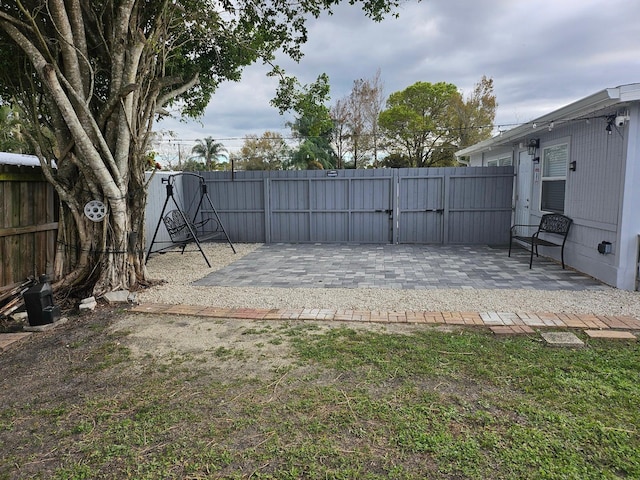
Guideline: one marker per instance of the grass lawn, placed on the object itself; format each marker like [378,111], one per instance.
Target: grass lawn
[86,403]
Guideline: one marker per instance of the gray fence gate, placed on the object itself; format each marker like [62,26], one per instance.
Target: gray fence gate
[467,205]
[328,209]
[456,205]
[421,209]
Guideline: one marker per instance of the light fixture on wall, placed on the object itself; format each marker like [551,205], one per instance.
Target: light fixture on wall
[610,120]
[572,166]
[533,146]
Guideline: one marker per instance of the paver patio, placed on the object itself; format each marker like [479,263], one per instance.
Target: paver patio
[407,267]
[402,267]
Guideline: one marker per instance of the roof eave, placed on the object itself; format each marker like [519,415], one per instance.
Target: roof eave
[599,100]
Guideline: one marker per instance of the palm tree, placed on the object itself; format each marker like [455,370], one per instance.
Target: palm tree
[209,150]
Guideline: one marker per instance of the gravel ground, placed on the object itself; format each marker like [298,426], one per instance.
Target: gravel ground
[180,270]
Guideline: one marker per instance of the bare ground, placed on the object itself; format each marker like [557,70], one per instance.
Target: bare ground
[251,348]
[50,380]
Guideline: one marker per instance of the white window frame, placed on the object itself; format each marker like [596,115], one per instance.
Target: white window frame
[500,161]
[544,158]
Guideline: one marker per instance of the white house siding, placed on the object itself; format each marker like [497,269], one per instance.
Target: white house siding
[481,159]
[603,194]
[592,195]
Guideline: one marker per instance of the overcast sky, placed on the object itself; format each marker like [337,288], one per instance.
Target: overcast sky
[541,54]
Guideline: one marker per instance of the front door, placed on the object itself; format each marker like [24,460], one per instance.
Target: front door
[523,190]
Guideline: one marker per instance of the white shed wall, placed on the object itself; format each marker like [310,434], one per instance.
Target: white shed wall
[602,195]
[593,195]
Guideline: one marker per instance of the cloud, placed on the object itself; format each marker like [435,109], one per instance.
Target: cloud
[542,55]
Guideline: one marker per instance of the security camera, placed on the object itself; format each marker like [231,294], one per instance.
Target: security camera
[620,119]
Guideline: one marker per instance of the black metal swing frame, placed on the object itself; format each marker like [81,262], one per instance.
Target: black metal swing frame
[181,229]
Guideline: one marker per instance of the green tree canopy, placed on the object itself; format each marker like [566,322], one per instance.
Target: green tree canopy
[312,126]
[473,116]
[193,165]
[11,137]
[427,122]
[416,119]
[394,160]
[98,74]
[313,154]
[268,152]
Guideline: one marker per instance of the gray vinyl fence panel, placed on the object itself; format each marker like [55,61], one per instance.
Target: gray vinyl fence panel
[466,205]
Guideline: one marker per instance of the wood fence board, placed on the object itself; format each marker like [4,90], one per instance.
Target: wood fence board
[28,224]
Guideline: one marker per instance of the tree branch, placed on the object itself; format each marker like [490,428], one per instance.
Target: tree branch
[80,43]
[15,21]
[123,143]
[118,52]
[48,74]
[70,60]
[167,97]
[112,103]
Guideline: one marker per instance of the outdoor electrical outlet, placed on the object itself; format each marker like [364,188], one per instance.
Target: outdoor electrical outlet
[604,247]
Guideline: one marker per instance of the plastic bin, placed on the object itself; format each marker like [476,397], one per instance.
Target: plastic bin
[39,303]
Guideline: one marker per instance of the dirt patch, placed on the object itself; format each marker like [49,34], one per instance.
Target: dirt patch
[59,385]
[248,347]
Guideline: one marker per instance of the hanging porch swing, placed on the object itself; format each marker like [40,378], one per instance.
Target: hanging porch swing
[184,230]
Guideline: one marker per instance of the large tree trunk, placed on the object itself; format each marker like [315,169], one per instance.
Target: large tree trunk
[95,257]
[99,138]
[94,74]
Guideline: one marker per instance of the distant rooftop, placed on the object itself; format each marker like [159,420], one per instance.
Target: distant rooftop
[19,159]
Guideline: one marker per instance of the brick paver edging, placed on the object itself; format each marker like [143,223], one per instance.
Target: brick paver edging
[489,319]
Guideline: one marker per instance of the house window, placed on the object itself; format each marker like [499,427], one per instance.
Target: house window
[500,162]
[554,178]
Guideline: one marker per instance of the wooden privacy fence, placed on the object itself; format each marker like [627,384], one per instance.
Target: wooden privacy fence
[466,205]
[28,224]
